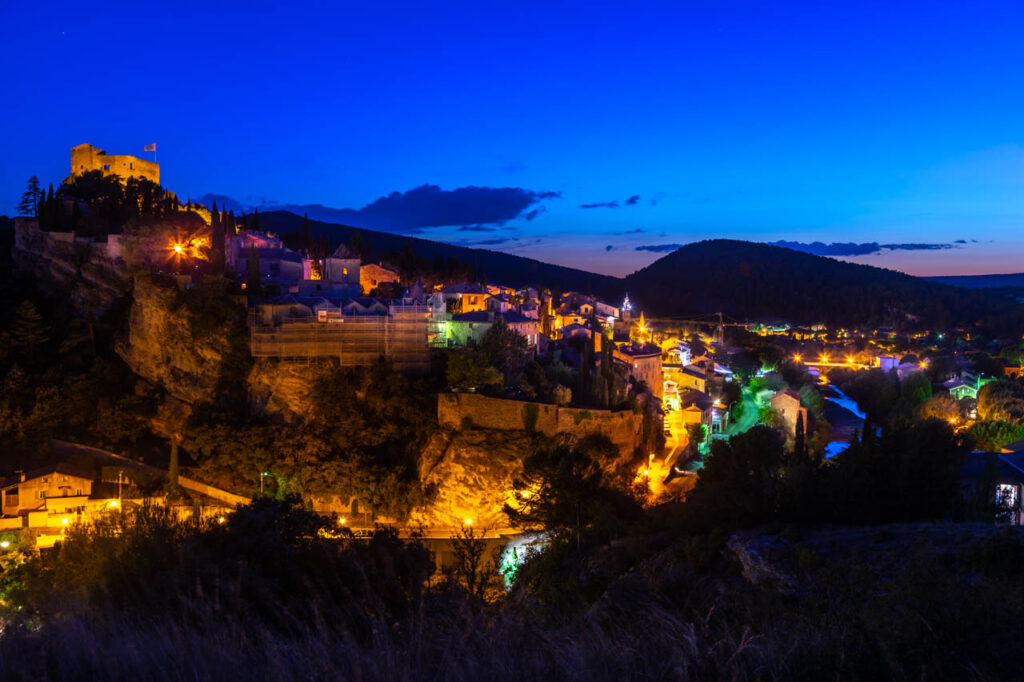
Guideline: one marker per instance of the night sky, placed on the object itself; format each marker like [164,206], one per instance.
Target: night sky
[596,135]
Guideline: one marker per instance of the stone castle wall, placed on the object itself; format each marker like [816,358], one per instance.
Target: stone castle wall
[91,273]
[623,427]
[85,158]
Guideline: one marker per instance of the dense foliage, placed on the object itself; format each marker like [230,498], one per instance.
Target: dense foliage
[757,281]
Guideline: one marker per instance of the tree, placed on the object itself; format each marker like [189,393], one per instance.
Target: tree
[254,284]
[469,368]
[916,388]
[563,490]
[800,441]
[30,200]
[307,240]
[29,329]
[1001,401]
[217,240]
[505,348]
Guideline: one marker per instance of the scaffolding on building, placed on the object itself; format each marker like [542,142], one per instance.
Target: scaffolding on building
[399,335]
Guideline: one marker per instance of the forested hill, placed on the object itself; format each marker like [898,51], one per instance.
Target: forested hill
[982,281]
[503,268]
[751,281]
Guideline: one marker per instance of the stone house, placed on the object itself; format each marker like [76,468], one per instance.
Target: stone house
[786,404]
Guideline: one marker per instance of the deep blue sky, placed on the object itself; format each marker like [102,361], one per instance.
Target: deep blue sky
[896,123]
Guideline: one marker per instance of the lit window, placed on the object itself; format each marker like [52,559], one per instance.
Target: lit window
[1006,495]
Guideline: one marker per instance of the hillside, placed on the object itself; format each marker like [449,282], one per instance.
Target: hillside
[751,281]
[981,281]
[507,269]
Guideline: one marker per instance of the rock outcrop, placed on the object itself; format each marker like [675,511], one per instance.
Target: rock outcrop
[283,389]
[472,471]
[163,348]
[90,273]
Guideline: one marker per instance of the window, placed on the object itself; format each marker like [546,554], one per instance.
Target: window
[1006,495]
[131,165]
[344,271]
[106,167]
[41,494]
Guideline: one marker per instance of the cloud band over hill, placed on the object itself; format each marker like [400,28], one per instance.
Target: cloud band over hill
[823,249]
[422,207]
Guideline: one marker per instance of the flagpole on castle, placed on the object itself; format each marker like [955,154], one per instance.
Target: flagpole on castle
[151,148]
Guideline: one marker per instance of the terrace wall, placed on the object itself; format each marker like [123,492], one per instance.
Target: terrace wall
[622,427]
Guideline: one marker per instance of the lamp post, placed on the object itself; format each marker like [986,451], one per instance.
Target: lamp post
[262,474]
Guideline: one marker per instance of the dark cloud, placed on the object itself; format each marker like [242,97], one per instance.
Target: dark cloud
[855,248]
[476,228]
[429,206]
[960,241]
[636,231]
[533,213]
[609,247]
[659,248]
[632,201]
[601,204]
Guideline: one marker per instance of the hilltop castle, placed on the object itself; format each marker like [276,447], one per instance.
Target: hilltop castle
[85,158]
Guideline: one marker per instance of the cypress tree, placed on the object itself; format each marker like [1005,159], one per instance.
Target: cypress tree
[254,285]
[216,240]
[307,243]
[255,219]
[800,443]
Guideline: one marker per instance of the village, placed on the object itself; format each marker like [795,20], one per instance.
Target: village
[663,390]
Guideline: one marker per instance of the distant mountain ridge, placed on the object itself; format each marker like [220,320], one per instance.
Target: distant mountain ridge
[981,281]
[745,280]
[504,268]
[752,281]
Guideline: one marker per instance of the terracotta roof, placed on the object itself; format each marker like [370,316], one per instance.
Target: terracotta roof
[58,468]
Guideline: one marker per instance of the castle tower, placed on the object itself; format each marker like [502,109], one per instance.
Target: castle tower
[85,158]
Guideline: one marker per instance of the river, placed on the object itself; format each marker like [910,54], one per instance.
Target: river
[845,417]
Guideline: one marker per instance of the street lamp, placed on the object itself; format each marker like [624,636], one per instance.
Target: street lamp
[262,475]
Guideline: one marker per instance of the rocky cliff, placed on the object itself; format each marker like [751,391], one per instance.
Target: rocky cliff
[90,273]
[283,389]
[472,470]
[164,346]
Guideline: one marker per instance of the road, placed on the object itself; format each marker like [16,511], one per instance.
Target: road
[749,416]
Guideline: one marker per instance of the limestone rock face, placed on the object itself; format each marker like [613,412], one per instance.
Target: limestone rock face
[473,471]
[162,348]
[87,272]
[282,389]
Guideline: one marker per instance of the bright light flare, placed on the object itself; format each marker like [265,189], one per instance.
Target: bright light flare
[178,248]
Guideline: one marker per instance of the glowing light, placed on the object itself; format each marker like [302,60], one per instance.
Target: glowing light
[112,504]
[923,365]
[849,359]
[796,358]
[221,519]
[341,521]
[178,248]
[65,521]
[4,544]
[824,358]
[468,522]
